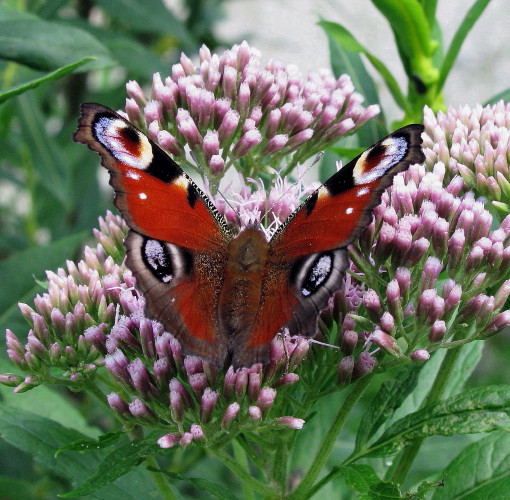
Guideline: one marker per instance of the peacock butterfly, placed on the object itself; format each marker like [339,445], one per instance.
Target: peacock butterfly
[226,296]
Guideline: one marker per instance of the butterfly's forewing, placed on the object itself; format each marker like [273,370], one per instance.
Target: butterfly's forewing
[153,194]
[178,242]
[307,256]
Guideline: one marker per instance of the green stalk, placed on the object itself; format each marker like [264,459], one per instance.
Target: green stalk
[242,459]
[399,472]
[280,463]
[244,476]
[307,483]
[159,480]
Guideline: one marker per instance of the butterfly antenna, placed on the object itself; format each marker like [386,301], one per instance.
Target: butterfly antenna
[205,180]
[317,158]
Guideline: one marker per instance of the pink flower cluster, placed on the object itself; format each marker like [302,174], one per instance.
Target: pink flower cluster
[443,261]
[232,110]
[474,143]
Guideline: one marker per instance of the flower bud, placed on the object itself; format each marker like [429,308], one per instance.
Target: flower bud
[420,355]
[345,368]
[290,422]
[363,365]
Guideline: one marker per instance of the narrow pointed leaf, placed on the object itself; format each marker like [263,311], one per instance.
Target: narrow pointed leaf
[481,470]
[476,410]
[103,441]
[48,163]
[502,96]
[464,28]
[118,463]
[54,75]
[346,41]
[45,45]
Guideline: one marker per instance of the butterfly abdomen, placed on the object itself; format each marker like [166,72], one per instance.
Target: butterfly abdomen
[240,295]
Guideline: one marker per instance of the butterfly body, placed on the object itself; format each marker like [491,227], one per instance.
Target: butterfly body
[226,296]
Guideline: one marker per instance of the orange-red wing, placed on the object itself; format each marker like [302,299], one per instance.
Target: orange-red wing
[335,214]
[274,313]
[154,195]
[181,290]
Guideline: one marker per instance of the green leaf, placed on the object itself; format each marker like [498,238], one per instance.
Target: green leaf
[466,362]
[481,470]
[350,63]
[476,410]
[48,163]
[40,437]
[339,35]
[389,397]
[45,45]
[116,464]
[409,25]
[469,357]
[19,270]
[359,477]
[502,96]
[216,490]
[346,152]
[464,28]
[384,490]
[15,489]
[423,488]
[47,403]
[149,16]
[54,75]
[429,8]
[103,441]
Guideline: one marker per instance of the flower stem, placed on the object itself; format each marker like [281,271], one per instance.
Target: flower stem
[399,472]
[304,487]
[243,475]
[159,479]
[280,463]
[242,459]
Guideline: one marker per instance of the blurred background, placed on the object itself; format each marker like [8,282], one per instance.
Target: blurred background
[50,191]
[288,30]
[50,197]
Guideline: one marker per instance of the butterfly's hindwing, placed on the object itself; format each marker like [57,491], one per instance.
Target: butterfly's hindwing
[226,298]
[181,292]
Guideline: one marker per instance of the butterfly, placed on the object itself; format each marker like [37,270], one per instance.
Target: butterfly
[223,295]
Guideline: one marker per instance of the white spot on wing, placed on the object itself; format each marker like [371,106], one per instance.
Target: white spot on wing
[142,196]
[109,133]
[396,148]
[133,175]
[349,210]
[362,191]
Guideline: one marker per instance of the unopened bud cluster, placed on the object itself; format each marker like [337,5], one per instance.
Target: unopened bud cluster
[475,144]
[231,109]
[442,260]
[81,296]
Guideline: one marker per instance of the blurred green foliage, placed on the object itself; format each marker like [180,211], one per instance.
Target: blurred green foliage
[56,54]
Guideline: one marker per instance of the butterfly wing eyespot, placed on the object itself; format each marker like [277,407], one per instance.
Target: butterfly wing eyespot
[181,250]
[178,240]
[337,212]
[153,194]
[307,256]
